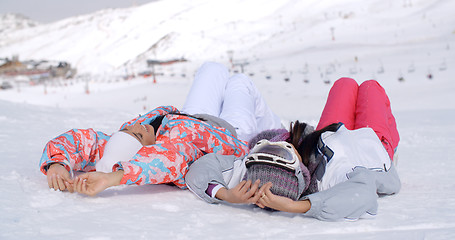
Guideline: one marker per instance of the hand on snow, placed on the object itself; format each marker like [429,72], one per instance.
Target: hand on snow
[242,193]
[59,178]
[93,183]
[267,199]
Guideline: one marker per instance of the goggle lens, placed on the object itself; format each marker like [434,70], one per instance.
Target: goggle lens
[279,151]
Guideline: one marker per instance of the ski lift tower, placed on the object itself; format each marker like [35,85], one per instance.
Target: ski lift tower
[241,64]
[230,54]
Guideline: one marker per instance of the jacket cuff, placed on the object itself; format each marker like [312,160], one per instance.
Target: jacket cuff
[126,171]
[316,205]
[213,189]
[60,160]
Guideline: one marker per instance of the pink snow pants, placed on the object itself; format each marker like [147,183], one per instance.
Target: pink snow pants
[361,106]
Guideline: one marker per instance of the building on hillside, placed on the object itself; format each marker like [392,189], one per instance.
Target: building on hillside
[36,70]
[8,66]
[153,62]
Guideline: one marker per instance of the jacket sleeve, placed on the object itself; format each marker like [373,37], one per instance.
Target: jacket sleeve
[77,149]
[152,115]
[208,170]
[159,163]
[355,198]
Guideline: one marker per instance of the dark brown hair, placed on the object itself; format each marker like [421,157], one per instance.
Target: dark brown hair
[306,144]
[156,123]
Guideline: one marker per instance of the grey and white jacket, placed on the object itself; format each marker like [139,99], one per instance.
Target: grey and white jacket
[349,185]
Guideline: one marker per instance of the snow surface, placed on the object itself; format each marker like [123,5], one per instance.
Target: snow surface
[408,39]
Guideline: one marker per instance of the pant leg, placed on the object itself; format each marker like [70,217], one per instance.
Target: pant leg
[245,109]
[373,110]
[340,105]
[207,91]
[265,117]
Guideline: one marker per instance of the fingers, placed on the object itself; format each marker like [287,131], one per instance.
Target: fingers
[260,205]
[69,187]
[79,185]
[249,190]
[244,192]
[262,198]
[245,186]
[61,184]
[267,189]
[255,198]
[254,192]
[261,190]
[241,184]
[67,178]
[264,195]
[252,198]
[84,187]
[56,182]
[267,194]
[58,178]
[255,186]
[49,181]
[262,202]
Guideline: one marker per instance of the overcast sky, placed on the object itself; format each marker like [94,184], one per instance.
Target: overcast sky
[46,11]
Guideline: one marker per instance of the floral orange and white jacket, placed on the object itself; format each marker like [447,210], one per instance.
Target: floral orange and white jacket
[180,140]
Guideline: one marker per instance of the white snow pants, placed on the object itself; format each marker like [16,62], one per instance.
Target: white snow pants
[232,98]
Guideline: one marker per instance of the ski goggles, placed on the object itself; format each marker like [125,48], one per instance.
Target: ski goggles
[279,154]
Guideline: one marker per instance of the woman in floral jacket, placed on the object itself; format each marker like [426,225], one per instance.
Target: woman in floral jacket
[159,146]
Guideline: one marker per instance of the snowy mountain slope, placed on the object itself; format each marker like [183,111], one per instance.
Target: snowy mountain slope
[287,32]
[12,22]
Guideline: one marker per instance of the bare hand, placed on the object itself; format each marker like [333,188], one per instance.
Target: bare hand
[93,183]
[59,178]
[268,199]
[242,193]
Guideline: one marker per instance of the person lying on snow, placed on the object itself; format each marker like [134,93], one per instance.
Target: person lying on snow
[336,172]
[220,114]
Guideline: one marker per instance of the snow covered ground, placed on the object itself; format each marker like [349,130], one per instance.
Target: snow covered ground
[424,209]
[424,109]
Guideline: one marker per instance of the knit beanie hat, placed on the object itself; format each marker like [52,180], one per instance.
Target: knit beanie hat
[284,182]
[276,162]
[120,147]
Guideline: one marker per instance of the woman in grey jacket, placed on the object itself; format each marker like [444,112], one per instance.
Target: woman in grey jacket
[342,167]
